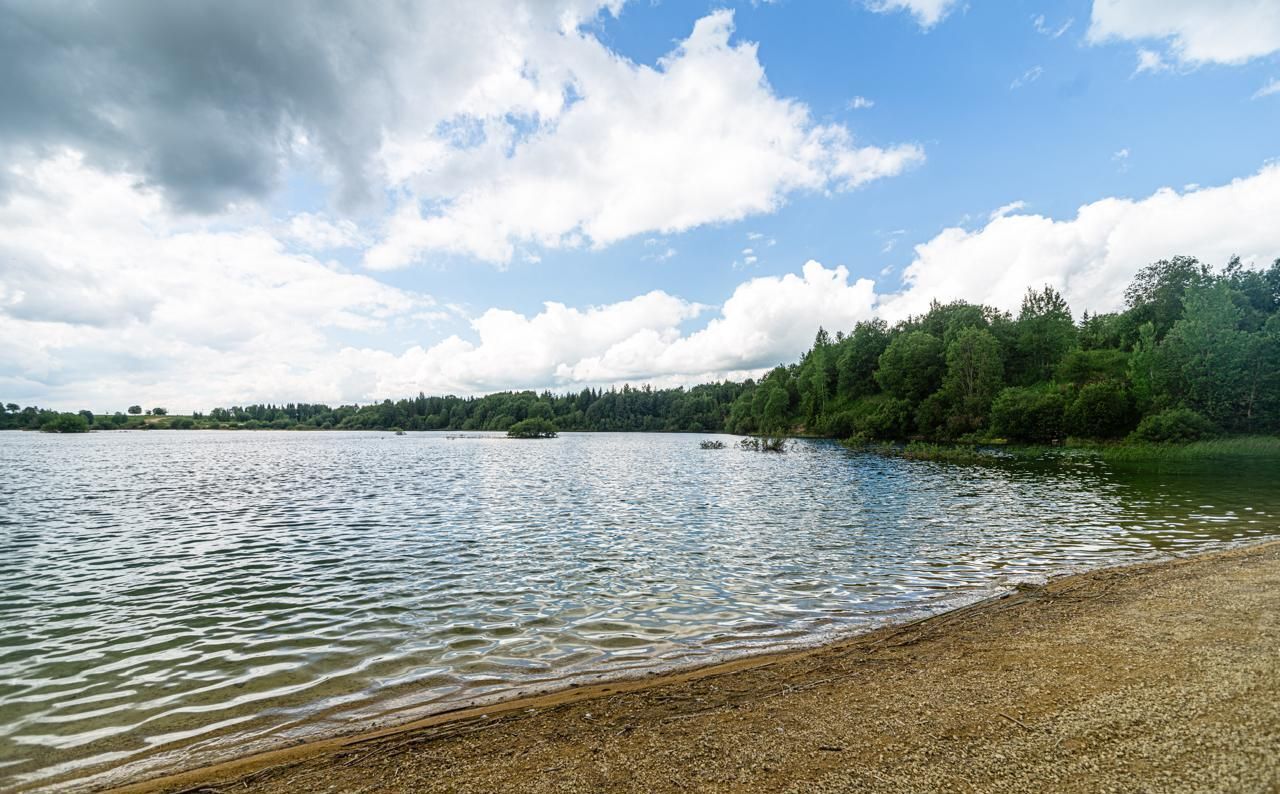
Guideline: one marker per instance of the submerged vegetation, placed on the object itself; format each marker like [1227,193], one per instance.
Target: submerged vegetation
[711,445]
[1194,355]
[921,450]
[764,443]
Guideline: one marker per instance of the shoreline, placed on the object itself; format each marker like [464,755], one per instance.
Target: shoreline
[755,677]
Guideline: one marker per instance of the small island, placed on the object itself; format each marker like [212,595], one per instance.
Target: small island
[532,428]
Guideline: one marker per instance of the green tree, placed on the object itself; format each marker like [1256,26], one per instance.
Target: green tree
[160,411]
[774,419]
[911,366]
[1101,410]
[1206,353]
[1260,384]
[858,355]
[975,374]
[1156,293]
[1043,334]
[1146,369]
[135,409]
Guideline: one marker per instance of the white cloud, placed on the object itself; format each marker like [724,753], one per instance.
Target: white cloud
[1092,256]
[1150,61]
[927,12]
[1045,29]
[767,321]
[1028,77]
[1196,32]
[1012,206]
[661,256]
[861,103]
[1270,88]
[139,305]
[702,138]
[315,232]
[142,306]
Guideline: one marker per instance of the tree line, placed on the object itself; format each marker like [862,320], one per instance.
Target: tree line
[1194,352]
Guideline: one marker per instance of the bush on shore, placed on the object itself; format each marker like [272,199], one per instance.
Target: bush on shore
[1026,414]
[1173,426]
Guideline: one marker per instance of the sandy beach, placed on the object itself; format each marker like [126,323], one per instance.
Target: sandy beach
[1154,677]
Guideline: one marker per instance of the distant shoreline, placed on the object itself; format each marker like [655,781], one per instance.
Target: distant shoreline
[1114,665]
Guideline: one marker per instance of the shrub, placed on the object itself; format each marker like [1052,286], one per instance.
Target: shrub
[532,428]
[711,444]
[1101,410]
[1171,426]
[931,415]
[1025,414]
[839,425]
[65,423]
[181,423]
[881,418]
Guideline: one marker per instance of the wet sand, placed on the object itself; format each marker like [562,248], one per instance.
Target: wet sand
[1155,677]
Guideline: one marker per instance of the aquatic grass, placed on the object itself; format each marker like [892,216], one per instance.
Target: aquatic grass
[1237,448]
[920,450]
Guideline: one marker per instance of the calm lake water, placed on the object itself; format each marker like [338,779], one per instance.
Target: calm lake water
[172,598]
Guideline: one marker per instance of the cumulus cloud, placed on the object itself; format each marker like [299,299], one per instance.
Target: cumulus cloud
[489,129]
[213,102]
[767,321]
[1225,31]
[927,12]
[137,303]
[142,305]
[700,138]
[1091,257]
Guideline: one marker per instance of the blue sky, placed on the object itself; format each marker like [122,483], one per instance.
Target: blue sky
[291,224]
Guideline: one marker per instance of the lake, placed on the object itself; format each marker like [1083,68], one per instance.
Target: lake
[171,598]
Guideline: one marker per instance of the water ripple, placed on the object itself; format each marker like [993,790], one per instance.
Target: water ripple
[175,597]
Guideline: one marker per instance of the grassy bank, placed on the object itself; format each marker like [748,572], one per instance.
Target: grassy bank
[1239,448]
[1242,448]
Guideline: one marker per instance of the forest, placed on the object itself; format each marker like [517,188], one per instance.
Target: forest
[1194,353]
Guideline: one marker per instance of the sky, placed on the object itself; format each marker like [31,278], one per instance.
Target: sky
[214,203]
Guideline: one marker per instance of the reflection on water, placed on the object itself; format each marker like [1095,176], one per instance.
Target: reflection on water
[169,598]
